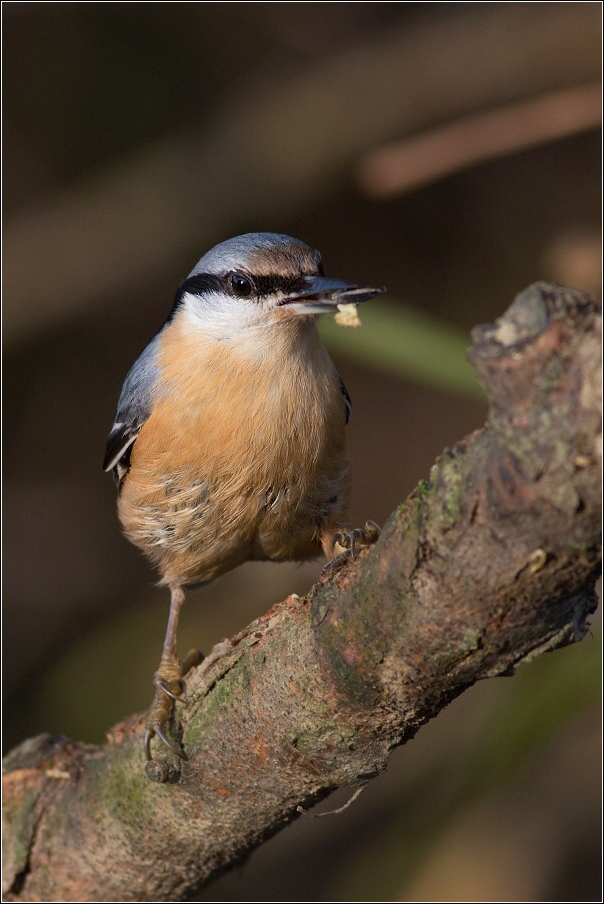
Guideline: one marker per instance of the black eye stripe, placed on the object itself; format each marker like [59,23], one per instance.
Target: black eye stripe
[200,284]
[203,283]
[289,285]
[195,285]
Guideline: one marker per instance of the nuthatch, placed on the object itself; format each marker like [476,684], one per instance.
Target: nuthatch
[229,440]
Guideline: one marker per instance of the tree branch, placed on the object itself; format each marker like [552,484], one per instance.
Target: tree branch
[487,564]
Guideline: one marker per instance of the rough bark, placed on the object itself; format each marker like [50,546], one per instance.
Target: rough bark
[488,563]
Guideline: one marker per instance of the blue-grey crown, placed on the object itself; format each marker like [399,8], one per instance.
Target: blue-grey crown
[241,250]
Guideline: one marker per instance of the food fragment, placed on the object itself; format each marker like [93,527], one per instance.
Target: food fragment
[347,315]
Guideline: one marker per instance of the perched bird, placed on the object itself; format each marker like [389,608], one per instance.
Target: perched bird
[229,439]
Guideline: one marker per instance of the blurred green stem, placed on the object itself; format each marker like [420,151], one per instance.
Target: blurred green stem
[399,340]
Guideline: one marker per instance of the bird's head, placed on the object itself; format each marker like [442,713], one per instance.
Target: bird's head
[259,279]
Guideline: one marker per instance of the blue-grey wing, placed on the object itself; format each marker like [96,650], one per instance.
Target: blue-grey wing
[133,409]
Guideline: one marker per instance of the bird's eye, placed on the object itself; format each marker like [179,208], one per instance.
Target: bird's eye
[242,286]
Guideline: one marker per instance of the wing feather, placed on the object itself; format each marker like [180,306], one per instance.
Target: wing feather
[120,440]
[134,407]
[347,400]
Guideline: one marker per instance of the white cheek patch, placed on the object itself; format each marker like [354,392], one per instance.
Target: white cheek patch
[219,316]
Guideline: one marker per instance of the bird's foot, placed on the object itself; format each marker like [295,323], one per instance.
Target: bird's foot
[168,683]
[353,540]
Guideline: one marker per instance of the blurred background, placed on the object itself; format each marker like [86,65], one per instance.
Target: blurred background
[450,151]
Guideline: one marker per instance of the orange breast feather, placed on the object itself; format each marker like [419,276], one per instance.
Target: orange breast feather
[241,457]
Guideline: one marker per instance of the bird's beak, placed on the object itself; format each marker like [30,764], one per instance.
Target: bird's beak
[323,295]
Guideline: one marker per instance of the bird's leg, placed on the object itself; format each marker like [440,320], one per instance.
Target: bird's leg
[351,540]
[168,680]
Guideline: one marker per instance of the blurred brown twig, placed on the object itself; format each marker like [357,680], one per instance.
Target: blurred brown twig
[408,164]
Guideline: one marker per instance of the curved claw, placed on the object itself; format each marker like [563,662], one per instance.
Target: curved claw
[163,687]
[372,530]
[169,742]
[341,538]
[353,540]
[332,543]
[359,538]
[148,735]
[159,717]
[158,730]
